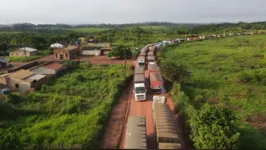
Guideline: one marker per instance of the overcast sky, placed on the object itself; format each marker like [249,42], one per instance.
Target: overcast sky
[130,11]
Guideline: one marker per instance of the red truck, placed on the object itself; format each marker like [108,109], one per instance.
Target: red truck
[152,67]
[155,82]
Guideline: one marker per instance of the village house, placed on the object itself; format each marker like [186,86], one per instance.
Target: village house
[25,80]
[96,43]
[23,52]
[67,53]
[91,51]
[190,39]
[58,45]
[105,51]
[51,69]
[3,62]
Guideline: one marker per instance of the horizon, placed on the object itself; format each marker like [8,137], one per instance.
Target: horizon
[158,22]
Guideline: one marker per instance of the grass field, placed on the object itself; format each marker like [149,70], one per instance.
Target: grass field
[73,109]
[89,30]
[231,71]
[152,27]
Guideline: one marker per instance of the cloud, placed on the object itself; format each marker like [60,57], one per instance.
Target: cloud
[128,11]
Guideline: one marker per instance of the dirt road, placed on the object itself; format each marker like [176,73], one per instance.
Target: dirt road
[114,129]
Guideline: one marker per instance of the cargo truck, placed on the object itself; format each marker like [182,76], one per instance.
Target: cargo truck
[136,133]
[150,53]
[155,82]
[139,84]
[167,137]
[141,61]
[150,59]
[152,67]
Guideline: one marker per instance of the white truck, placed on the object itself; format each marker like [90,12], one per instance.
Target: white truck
[139,84]
[141,61]
[158,99]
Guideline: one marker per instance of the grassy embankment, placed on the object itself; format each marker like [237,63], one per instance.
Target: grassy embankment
[73,109]
[229,71]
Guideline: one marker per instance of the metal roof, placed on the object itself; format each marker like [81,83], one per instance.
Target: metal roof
[42,70]
[28,49]
[21,74]
[136,133]
[35,77]
[139,70]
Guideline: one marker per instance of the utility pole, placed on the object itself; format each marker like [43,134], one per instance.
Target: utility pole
[185,36]
[125,69]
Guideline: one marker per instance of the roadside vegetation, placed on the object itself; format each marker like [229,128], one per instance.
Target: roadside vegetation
[72,109]
[222,92]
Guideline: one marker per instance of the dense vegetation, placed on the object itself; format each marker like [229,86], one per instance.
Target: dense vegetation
[73,109]
[229,74]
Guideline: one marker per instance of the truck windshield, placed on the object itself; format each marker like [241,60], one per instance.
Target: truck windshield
[140,90]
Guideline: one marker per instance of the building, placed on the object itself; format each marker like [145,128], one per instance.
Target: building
[25,80]
[23,52]
[58,45]
[3,62]
[105,51]
[91,51]
[96,43]
[51,69]
[67,53]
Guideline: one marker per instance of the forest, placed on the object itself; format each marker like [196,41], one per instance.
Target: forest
[219,88]
[72,109]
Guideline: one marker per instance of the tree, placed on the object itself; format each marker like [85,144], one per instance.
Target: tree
[213,128]
[173,71]
[13,42]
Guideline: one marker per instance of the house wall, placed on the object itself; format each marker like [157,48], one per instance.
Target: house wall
[91,52]
[3,80]
[41,82]
[23,85]
[66,54]
[20,53]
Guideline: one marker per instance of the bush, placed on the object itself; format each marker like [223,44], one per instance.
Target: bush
[213,128]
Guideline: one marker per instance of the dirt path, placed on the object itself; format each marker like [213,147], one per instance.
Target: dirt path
[114,129]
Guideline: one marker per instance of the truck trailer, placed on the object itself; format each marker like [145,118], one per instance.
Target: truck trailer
[155,82]
[139,84]
[136,133]
[167,137]
[150,59]
[152,67]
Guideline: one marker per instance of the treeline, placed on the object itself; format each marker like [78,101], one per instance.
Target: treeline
[40,41]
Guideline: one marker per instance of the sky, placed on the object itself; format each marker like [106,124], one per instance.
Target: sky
[130,11]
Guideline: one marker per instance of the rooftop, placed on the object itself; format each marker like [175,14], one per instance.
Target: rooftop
[21,74]
[69,48]
[28,49]
[54,66]
[35,77]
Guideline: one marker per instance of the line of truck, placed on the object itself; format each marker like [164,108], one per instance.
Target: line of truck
[147,57]
[167,137]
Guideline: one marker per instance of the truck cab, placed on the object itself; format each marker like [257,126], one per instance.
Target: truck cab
[140,91]
[139,84]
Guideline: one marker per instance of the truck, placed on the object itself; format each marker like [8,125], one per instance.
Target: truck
[139,84]
[150,59]
[152,67]
[136,133]
[141,61]
[158,99]
[155,82]
[167,137]
[150,53]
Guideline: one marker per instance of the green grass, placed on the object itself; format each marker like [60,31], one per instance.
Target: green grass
[73,109]
[152,27]
[23,59]
[89,30]
[229,71]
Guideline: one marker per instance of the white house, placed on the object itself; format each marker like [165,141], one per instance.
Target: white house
[57,45]
[91,51]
